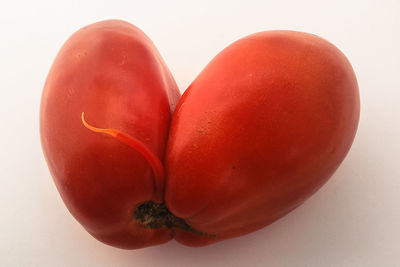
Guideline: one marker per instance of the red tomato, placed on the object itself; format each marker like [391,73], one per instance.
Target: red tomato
[262,127]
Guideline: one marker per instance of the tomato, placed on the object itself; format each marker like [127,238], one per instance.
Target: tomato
[262,128]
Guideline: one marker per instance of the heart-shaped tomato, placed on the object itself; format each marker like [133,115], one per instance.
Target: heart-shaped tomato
[262,127]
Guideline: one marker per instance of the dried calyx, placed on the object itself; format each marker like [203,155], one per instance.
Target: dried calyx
[157,215]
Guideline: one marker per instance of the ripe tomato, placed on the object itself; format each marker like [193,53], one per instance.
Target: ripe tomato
[263,126]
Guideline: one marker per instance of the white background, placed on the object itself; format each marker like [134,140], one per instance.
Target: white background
[354,220]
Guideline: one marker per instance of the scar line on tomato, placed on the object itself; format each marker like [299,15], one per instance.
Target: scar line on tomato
[153,160]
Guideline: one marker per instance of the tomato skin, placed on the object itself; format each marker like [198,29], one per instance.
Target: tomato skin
[111,71]
[262,127]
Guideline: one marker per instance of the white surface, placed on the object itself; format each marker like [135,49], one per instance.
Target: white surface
[353,221]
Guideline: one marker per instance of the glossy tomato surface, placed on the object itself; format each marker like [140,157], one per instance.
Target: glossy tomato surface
[111,71]
[262,127]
